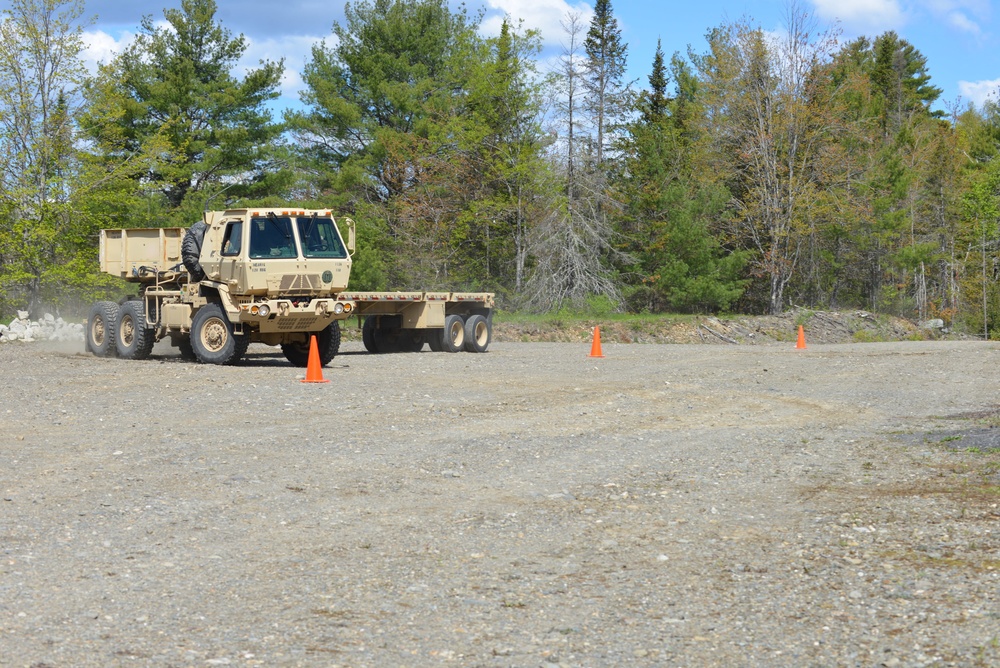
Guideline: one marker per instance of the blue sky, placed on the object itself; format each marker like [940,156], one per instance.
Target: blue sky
[959,38]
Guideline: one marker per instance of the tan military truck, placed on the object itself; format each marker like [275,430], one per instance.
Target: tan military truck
[266,275]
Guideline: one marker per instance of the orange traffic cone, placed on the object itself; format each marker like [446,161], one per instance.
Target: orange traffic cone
[595,347]
[801,343]
[314,371]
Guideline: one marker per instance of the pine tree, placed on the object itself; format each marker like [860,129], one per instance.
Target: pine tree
[177,83]
[607,92]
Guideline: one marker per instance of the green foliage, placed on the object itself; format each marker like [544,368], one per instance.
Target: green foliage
[421,124]
[173,86]
[681,265]
[757,174]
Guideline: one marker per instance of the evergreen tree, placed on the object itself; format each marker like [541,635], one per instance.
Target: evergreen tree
[670,209]
[607,92]
[176,82]
[653,103]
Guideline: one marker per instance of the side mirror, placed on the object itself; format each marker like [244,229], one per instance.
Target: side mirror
[351,235]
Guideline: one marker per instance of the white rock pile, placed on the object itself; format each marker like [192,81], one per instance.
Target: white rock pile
[46,328]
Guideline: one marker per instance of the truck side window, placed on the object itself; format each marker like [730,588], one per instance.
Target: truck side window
[232,238]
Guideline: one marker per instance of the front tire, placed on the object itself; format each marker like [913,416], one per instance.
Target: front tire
[133,339]
[213,339]
[327,340]
[101,324]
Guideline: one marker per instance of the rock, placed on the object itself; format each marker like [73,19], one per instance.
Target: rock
[933,323]
[49,328]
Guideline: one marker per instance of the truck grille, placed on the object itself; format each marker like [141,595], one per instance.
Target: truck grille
[295,324]
[300,282]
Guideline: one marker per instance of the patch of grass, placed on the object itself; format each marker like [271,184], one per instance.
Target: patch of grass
[867,336]
[570,317]
[803,317]
[949,560]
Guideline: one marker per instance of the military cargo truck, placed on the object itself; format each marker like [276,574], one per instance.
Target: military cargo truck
[265,275]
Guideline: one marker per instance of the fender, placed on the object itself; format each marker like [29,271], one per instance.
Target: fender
[226,300]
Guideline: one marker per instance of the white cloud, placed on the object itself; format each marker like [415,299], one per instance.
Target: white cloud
[100,47]
[295,49]
[875,15]
[980,8]
[978,92]
[542,15]
[964,23]
[966,16]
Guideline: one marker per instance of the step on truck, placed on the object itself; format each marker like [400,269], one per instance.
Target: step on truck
[265,275]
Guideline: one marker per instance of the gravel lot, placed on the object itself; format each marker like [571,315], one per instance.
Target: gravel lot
[667,505]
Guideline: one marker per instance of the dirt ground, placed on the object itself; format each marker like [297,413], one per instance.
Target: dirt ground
[665,505]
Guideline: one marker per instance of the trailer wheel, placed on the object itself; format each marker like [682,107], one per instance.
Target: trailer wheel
[453,340]
[101,324]
[133,339]
[368,334]
[477,334]
[435,339]
[327,340]
[213,339]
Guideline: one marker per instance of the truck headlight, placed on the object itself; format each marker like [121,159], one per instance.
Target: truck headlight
[338,308]
[264,310]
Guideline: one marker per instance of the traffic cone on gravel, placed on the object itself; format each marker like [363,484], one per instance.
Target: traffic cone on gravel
[314,371]
[595,347]
[801,343]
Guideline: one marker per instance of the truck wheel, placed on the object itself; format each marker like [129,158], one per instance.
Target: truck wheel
[101,324]
[133,340]
[185,347]
[454,334]
[191,250]
[435,339]
[368,334]
[213,339]
[327,340]
[477,334]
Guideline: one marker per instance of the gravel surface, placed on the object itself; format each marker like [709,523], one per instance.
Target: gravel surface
[667,505]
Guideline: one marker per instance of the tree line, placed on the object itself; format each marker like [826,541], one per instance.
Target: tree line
[754,173]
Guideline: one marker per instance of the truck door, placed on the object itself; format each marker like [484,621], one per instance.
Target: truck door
[231,268]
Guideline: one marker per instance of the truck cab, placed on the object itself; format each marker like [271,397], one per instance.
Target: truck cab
[277,252]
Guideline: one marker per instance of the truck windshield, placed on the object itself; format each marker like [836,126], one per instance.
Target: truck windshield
[271,237]
[319,238]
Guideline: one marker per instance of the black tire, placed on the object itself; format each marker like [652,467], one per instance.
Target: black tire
[390,339]
[477,334]
[133,339]
[414,342]
[191,250]
[453,340]
[327,341]
[213,339]
[186,348]
[102,322]
[368,334]
[435,339]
